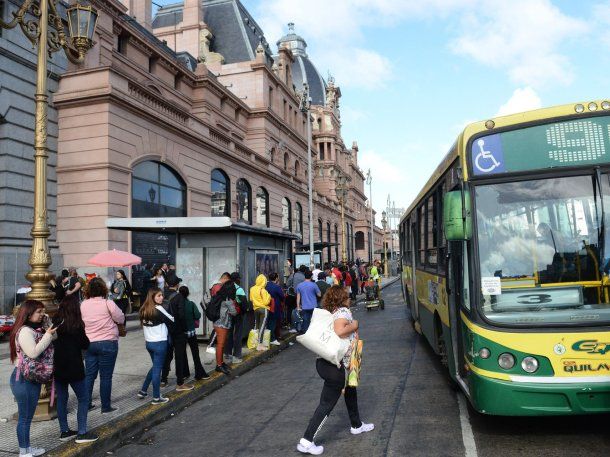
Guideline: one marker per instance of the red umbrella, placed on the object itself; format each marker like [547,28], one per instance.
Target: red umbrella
[114,258]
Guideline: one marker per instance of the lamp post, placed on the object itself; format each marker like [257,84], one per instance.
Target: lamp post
[341,191]
[42,24]
[384,224]
[369,181]
[305,108]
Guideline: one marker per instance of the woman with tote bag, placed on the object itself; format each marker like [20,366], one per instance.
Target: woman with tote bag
[336,301]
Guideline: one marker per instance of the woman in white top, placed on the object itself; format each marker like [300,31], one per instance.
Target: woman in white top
[337,301]
[32,355]
[159,278]
[155,321]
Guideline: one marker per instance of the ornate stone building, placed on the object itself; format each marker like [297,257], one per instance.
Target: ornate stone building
[184,132]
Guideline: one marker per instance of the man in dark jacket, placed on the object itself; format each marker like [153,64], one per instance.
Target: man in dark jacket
[275,319]
[176,307]
[322,285]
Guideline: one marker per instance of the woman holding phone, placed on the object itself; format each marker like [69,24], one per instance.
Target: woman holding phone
[70,370]
[31,352]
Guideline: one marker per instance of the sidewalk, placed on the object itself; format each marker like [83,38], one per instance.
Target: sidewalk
[132,364]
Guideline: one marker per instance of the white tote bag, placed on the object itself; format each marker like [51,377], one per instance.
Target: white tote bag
[322,340]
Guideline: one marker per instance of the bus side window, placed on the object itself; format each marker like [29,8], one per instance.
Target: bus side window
[465,277]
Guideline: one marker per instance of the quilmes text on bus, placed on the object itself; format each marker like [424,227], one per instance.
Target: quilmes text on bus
[506,260]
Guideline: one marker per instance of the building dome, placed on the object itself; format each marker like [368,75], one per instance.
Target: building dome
[303,70]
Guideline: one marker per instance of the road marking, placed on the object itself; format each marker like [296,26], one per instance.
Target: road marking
[467,436]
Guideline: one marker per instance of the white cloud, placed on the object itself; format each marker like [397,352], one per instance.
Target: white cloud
[523,99]
[336,37]
[352,115]
[522,36]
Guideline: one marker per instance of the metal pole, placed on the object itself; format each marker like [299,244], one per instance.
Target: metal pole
[310,178]
[369,179]
[343,252]
[40,257]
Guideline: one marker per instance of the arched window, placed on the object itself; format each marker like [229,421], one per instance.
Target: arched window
[298,218]
[262,206]
[336,242]
[328,250]
[320,230]
[359,240]
[157,191]
[286,160]
[297,168]
[244,197]
[286,215]
[220,187]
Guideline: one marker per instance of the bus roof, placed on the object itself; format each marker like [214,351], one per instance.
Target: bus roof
[502,122]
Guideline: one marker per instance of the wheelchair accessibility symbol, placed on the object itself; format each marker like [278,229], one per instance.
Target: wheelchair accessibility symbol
[487,155]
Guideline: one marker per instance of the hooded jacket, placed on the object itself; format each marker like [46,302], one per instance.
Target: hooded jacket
[259,296]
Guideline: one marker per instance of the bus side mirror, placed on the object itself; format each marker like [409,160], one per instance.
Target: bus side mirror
[457,216]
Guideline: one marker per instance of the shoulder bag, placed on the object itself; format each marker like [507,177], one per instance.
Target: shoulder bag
[122,327]
[322,340]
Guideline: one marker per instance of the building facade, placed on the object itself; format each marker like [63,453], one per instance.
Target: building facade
[186,115]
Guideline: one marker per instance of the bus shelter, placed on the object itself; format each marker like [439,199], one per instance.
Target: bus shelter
[205,247]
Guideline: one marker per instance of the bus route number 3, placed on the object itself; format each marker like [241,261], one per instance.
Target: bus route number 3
[534,299]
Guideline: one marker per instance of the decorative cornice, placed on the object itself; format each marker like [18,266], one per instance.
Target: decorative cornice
[157,102]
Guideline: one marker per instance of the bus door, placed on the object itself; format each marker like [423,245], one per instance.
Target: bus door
[457,285]
[413,297]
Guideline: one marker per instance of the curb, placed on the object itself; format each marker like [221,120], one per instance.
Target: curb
[135,422]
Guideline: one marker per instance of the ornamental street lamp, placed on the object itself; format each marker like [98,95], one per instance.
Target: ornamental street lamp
[42,24]
[384,224]
[341,191]
[305,108]
[369,181]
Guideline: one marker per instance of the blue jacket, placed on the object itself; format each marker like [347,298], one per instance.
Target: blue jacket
[278,296]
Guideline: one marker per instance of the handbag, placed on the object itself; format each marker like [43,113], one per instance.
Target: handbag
[353,377]
[122,327]
[267,338]
[322,340]
[210,351]
[272,305]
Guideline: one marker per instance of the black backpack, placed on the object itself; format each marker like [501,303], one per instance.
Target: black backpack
[212,309]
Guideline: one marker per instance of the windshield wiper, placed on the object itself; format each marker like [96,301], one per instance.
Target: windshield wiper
[601,231]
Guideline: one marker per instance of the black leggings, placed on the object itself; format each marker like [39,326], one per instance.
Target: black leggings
[334,382]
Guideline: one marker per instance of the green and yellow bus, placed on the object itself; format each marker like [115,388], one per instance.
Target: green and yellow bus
[505,261]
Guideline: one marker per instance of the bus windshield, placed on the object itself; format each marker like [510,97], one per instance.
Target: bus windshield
[539,251]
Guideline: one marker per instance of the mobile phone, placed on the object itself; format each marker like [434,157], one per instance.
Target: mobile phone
[57,325]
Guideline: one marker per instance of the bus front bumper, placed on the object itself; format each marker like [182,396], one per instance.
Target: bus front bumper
[506,398]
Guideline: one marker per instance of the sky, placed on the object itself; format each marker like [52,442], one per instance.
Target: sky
[413,73]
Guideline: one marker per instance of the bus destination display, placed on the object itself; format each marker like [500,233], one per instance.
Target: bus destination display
[561,144]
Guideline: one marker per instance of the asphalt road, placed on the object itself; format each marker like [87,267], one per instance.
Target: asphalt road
[404,392]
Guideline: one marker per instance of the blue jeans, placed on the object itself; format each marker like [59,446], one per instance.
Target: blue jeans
[157,351]
[26,393]
[82,394]
[101,356]
[307,313]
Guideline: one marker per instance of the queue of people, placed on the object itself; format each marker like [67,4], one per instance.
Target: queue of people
[82,340]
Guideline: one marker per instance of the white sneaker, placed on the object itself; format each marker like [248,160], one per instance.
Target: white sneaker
[309,447]
[363,428]
[36,451]
[292,331]
[227,358]
[236,360]
[276,343]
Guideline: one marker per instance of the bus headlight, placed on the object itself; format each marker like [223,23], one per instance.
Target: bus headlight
[530,364]
[506,361]
[484,353]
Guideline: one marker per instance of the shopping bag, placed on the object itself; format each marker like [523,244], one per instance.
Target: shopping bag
[210,351]
[322,340]
[353,378]
[252,339]
[267,339]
